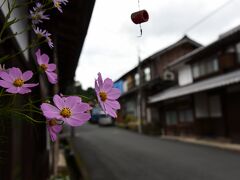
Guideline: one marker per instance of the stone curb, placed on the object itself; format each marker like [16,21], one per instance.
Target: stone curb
[211,143]
[81,165]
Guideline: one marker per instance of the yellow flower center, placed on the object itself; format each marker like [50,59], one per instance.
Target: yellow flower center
[36,17]
[57,4]
[103,96]
[66,112]
[52,122]
[18,82]
[44,67]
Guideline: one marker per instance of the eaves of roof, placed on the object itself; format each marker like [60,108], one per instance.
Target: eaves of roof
[183,40]
[223,41]
[204,85]
[70,29]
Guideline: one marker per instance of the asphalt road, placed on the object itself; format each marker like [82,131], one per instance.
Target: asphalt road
[110,153]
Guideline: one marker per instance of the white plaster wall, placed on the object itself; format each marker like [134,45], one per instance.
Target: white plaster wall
[22,39]
[185,75]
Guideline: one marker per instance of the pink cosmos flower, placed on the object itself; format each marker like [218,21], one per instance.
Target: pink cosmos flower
[53,128]
[107,95]
[14,80]
[43,62]
[44,34]
[58,3]
[69,109]
[37,15]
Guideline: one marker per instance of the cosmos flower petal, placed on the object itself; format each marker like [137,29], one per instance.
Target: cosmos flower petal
[112,104]
[81,107]
[114,93]
[58,101]
[96,87]
[44,59]
[100,81]
[110,111]
[53,137]
[5,76]
[5,84]
[76,98]
[13,90]
[53,129]
[52,77]
[107,85]
[27,75]
[56,128]
[15,72]
[71,101]
[41,59]
[51,67]
[79,119]
[30,85]
[102,105]
[24,90]
[38,55]
[52,134]
[50,111]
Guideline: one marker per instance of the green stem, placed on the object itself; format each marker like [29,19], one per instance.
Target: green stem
[28,117]
[3,59]
[13,99]
[10,10]
[15,34]
[83,96]
[1,92]
[24,4]
[6,95]
[28,110]
[39,100]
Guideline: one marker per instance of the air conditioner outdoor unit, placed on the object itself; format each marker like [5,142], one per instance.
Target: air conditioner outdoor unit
[168,75]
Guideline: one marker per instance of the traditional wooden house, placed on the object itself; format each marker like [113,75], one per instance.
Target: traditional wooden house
[206,100]
[147,79]
[25,149]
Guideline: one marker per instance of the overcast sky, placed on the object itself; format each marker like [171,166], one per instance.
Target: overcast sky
[112,43]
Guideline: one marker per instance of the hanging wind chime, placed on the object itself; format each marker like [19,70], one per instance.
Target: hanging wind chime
[139,17]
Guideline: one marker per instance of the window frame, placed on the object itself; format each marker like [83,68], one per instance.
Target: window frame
[205,67]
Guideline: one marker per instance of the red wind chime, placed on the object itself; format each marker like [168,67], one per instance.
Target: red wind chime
[139,17]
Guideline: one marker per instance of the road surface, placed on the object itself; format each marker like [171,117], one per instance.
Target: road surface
[111,153]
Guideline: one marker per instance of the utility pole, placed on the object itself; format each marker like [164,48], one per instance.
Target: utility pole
[139,99]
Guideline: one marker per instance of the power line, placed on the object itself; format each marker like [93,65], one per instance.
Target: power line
[208,16]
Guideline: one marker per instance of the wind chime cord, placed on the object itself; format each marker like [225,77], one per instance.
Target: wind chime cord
[140,26]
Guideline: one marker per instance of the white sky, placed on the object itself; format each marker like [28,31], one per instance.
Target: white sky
[111,45]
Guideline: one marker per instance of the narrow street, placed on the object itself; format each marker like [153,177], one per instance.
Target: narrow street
[110,153]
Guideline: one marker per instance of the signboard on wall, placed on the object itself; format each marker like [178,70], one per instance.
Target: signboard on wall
[119,85]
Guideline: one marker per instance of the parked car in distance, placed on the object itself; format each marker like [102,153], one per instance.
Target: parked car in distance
[96,112]
[106,120]
[99,117]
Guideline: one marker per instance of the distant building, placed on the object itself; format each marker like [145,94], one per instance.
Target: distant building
[147,79]
[206,99]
